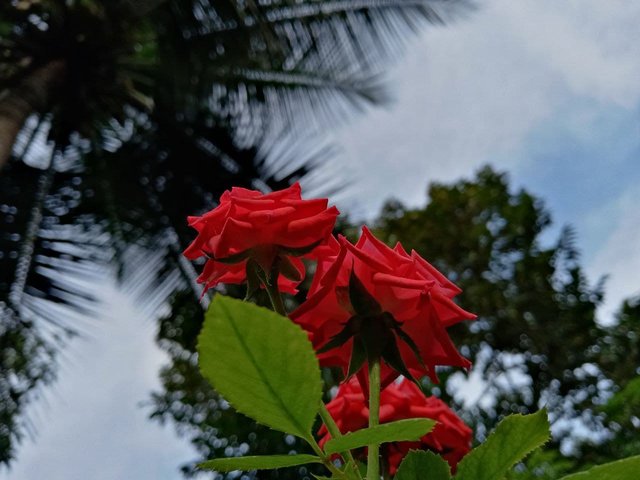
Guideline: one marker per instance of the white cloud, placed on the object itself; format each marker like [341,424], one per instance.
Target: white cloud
[472,92]
[93,426]
[620,255]
[589,45]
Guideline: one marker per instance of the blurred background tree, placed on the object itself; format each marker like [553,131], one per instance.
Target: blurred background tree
[537,341]
[536,313]
[118,118]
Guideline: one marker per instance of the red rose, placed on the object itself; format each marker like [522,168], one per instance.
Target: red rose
[266,228]
[451,437]
[407,295]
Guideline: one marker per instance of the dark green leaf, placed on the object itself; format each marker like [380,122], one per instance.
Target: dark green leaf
[253,278]
[231,259]
[423,465]
[512,440]
[625,469]
[297,251]
[358,357]
[392,356]
[288,269]
[257,462]
[341,337]
[408,340]
[362,301]
[402,430]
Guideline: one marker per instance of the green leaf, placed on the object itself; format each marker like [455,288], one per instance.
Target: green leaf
[288,269]
[297,251]
[253,279]
[400,431]
[342,337]
[362,301]
[262,363]
[514,438]
[257,462]
[625,469]
[358,356]
[420,465]
[391,355]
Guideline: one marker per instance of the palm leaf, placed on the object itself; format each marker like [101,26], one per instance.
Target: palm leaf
[259,66]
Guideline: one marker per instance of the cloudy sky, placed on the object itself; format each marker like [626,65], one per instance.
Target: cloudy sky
[548,91]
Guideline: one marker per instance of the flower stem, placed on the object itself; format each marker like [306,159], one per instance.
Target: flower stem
[333,429]
[326,460]
[270,283]
[276,298]
[373,457]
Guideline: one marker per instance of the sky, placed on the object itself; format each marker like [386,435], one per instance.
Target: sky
[547,91]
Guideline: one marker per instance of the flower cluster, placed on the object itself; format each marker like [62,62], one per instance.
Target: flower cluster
[401,400]
[367,303]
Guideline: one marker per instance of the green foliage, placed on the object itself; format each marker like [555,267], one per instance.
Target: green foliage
[28,357]
[419,465]
[514,438]
[618,355]
[257,463]
[536,326]
[626,469]
[262,363]
[626,403]
[542,464]
[619,344]
[401,430]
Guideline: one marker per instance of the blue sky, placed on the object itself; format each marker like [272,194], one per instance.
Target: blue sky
[580,172]
[548,91]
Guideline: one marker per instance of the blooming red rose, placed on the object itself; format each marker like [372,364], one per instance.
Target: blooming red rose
[408,297]
[265,228]
[451,437]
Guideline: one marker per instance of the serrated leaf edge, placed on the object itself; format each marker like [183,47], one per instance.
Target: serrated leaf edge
[333,441]
[207,465]
[527,453]
[308,436]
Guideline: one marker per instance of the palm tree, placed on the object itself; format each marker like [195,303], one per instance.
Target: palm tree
[120,117]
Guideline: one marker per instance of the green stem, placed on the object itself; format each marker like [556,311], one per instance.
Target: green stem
[326,460]
[373,457]
[333,429]
[276,299]
[271,286]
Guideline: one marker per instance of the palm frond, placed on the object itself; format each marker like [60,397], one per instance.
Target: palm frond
[47,277]
[154,267]
[262,57]
[244,63]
